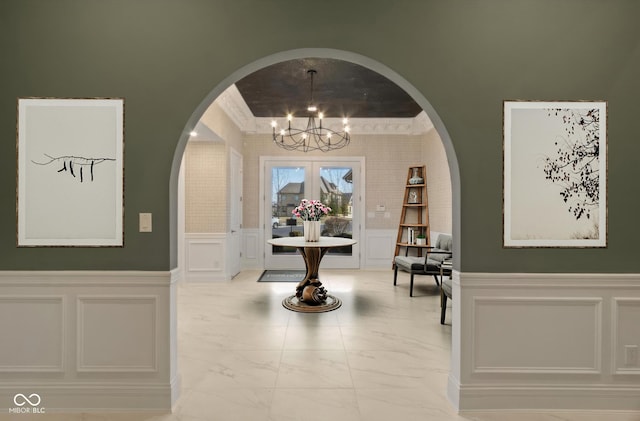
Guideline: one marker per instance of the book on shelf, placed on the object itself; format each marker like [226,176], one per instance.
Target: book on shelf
[411,236]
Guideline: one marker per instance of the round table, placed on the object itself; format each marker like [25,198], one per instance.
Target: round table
[310,296]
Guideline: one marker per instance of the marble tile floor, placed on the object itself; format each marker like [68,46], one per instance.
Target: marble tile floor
[381,356]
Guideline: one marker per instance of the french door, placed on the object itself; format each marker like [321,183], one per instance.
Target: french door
[337,183]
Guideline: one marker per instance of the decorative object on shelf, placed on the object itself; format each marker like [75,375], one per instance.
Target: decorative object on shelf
[310,211]
[415,178]
[421,240]
[555,152]
[314,136]
[413,197]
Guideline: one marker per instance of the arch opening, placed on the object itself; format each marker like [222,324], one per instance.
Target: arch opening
[371,64]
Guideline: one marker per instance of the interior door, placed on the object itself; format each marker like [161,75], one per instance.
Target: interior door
[235,208]
[335,183]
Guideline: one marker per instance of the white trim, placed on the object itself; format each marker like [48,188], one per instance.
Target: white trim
[92,397]
[550,397]
[550,280]
[11,278]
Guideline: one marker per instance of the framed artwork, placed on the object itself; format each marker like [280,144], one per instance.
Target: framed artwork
[555,174]
[70,172]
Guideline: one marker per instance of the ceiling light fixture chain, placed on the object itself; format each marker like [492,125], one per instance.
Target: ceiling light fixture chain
[314,137]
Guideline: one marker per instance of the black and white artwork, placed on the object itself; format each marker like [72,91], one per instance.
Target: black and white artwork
[555,169]
[70,172]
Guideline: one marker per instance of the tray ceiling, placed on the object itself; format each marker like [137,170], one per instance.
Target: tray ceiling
[341,89]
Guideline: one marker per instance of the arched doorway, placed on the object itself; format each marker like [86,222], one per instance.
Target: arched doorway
[350,57]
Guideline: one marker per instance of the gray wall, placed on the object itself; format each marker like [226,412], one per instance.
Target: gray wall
[465,57]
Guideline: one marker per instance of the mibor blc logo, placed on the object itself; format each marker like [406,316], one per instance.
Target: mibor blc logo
[26,404]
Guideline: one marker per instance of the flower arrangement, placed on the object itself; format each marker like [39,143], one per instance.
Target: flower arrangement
[310,210]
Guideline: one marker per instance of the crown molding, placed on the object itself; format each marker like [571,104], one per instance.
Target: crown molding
[236,108]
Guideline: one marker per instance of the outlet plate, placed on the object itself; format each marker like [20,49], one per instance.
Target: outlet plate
[631,355]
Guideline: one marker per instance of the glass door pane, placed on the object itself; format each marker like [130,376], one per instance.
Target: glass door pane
[336,191]
[286,188]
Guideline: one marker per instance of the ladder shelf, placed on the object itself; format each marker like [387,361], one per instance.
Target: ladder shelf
[414,218]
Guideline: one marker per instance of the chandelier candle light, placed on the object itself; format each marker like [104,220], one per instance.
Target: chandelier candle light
[314,137]
[310,211]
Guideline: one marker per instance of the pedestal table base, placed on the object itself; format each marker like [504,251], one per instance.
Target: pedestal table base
[294,304]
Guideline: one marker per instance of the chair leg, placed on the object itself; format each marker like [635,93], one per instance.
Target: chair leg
[395,275]
[411,287]
[437,281]
[443,305]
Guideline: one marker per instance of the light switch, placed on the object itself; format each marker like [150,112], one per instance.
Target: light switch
[145,222]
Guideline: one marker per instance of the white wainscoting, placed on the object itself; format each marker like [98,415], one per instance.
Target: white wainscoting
[88,340]
[378,247]
[26,322]
[545,341]
[105,333]
[205,257]
[626,332]
[252,249]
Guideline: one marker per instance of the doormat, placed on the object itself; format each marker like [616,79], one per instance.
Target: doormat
[282,276]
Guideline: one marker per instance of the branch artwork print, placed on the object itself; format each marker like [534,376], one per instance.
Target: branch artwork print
[575,165]
[77,166]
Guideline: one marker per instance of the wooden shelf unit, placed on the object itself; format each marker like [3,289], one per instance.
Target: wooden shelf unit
[415,213]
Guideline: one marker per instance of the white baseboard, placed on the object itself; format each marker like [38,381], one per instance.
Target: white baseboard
[550,397]
[87,397]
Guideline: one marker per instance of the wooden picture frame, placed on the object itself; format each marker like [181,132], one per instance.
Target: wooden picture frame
[70,172]
[555,174]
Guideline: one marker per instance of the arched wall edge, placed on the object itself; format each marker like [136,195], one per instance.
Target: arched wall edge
[320,53]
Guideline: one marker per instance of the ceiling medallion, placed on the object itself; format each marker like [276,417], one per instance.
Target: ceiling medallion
[314,137]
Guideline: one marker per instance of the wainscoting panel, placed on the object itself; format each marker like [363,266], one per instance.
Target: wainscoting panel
[532,326]
[32,329]
[88,340]
[626,334]
[378,248]
[117,334]
[205,257]
[252,249]
[545,341]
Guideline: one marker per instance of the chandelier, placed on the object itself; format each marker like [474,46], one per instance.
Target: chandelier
[314,137]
